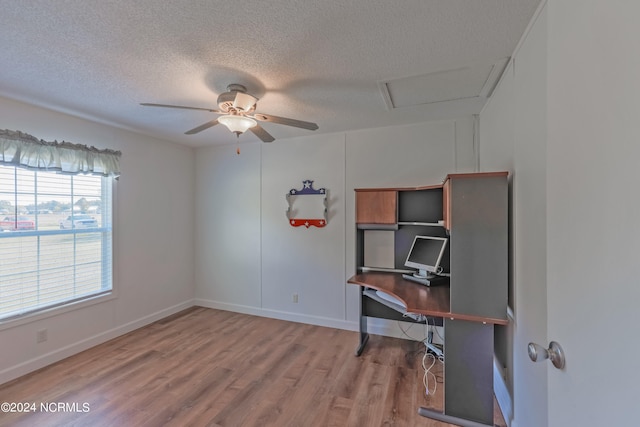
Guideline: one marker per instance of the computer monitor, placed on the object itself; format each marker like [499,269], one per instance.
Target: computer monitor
[425,255]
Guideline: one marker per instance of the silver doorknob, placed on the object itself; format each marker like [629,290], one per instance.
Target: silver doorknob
[538,353]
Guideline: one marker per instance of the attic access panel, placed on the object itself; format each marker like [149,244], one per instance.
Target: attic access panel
[462,83]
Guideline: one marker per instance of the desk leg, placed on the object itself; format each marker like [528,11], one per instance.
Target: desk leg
[468,378]
[364,336]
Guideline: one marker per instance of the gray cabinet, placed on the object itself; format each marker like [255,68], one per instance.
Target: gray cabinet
[476,207]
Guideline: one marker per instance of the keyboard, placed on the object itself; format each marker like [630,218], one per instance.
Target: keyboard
[385,296]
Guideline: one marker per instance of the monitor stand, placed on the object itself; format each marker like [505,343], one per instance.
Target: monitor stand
[428,279]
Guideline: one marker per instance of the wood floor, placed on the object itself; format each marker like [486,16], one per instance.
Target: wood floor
[205,367]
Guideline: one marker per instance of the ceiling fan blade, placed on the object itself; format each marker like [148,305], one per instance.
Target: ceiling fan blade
[262,134]
[202,127]
[285,121]
[146,104]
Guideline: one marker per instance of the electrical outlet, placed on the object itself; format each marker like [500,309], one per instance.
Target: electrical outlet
[42,335]
[295,298]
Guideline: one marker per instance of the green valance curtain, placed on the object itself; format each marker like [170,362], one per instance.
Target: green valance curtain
[23,150]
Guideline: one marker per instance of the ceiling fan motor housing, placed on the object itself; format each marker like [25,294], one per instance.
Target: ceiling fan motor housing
[236,100]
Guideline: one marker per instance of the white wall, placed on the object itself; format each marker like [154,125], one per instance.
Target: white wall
[309,262]
[249,258]
[593,208]
[153,236]
[573,103]
[513,130]
[228,225]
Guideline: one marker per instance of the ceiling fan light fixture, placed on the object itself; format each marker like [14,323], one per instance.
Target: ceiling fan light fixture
[236,123]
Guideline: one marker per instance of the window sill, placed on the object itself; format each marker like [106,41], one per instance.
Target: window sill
[56,311]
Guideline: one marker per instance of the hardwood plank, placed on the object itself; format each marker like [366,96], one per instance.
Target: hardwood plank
[205,367]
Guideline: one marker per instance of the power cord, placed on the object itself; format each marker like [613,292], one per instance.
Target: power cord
[406,334]
[428,377]
[428,374]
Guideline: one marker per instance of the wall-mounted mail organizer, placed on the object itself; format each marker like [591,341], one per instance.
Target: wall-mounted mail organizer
[307,206]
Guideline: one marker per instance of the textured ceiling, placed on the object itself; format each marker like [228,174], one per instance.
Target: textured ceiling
[319,61]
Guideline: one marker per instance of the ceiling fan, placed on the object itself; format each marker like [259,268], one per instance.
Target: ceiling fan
[236,106]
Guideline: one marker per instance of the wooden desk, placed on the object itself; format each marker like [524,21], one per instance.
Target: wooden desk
[419,299]
[468,346]
[432,301]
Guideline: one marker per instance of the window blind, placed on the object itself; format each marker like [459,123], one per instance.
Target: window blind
[55,239]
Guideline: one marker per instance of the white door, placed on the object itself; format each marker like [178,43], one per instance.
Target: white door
[593,210]
[530,225]
[513,135]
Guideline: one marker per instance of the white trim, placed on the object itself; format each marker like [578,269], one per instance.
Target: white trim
[24,368]
[276,314]
[476,142]
[494,76]
[386,95]
[57,310]
[527,30]
[375,326]
[509,67]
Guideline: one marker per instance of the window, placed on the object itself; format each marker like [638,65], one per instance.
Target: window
[55,223]
[55,239]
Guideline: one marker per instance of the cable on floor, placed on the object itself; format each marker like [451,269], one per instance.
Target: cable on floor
[429,375]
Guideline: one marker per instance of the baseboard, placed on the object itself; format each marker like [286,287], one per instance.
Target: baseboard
[384,327]
[280,315]
[31,365]
[405,330]
[502,393]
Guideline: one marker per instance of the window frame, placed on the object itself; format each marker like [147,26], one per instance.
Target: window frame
[82,302]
